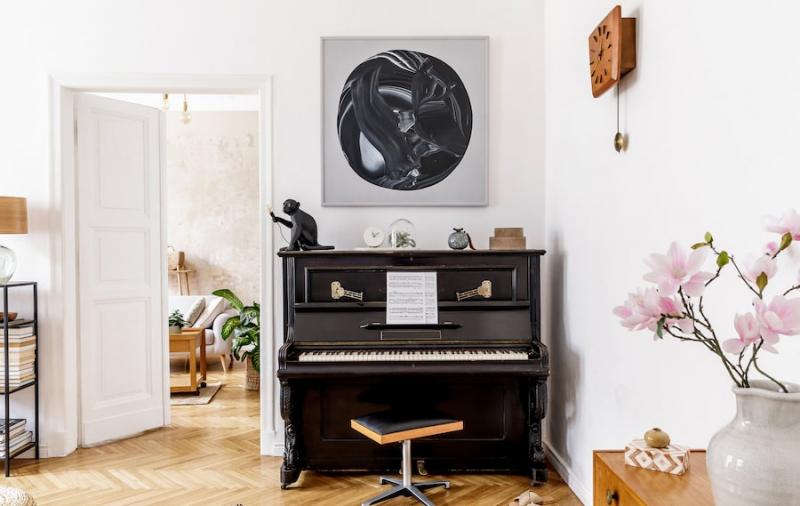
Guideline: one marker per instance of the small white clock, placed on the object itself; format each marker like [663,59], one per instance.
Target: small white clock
[373,237]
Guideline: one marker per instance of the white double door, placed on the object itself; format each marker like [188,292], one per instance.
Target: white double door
[121,269]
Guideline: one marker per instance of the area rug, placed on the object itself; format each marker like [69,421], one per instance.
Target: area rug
[15,497]
[206,394]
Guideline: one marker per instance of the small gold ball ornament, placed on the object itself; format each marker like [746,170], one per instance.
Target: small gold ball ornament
[619,142]
[656,438]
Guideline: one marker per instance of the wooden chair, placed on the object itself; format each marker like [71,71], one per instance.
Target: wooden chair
[392,427]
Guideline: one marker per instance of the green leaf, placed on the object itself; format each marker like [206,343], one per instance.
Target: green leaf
[699,245]
[708,238]
[660,327]
[786,240]
[229,326]
[249,314]
[232,299]
[256,361]
[761,281]
[722,259]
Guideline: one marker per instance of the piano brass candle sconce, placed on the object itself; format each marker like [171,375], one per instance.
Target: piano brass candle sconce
[612,54]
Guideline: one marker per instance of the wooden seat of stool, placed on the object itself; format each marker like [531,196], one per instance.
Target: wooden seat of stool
[391,427]
[399,427]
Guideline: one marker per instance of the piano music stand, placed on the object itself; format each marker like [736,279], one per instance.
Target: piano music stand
[392,427]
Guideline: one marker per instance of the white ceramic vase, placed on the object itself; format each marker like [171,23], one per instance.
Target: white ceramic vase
[754,459]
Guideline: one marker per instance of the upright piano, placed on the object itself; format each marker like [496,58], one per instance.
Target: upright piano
[483,362]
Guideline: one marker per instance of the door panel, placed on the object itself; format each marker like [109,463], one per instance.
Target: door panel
[122,325]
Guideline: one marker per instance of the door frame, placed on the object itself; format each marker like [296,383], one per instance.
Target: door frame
[62,301]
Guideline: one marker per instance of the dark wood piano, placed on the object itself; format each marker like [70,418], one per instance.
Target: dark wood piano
[483,362]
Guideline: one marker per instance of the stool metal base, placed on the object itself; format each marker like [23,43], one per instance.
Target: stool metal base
[404,486]
[413,490]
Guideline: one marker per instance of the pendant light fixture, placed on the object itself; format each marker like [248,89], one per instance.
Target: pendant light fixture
[165,102]
[186,117]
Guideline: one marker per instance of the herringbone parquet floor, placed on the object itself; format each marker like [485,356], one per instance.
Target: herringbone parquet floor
[210,456]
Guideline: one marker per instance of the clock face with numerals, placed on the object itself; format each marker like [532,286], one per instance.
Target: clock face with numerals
[604,52]
[373,237]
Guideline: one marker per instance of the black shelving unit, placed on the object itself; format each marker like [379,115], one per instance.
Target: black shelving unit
[7,391]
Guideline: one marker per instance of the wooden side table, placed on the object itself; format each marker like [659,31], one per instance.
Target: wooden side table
[616,484]
[187,342]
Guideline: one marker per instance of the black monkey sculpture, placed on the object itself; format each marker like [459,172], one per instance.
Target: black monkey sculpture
[303,227]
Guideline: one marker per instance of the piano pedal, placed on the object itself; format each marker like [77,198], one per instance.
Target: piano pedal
[421,470]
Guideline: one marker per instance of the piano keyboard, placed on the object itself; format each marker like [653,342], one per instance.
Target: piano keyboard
[410,355]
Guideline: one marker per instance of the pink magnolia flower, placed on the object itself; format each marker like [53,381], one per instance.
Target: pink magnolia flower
[753,267]
[771,248]
[749,332]
[645,308]
[789,222]
[780,317]
[676,269]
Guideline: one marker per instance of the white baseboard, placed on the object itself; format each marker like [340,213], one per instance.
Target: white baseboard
[270,443]
[568,475]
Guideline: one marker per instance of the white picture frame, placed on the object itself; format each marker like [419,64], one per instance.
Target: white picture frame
[467,184]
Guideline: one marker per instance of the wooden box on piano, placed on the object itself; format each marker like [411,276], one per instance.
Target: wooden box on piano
[483,362]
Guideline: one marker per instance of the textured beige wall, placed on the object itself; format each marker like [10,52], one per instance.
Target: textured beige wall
[212,200]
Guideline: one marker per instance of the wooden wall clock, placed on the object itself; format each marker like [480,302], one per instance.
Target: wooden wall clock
[612,51]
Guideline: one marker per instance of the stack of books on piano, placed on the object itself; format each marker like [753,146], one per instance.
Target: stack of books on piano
[21,354]
[19,437]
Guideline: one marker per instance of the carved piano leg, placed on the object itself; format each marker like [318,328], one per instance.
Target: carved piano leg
[290,469]
[538,406]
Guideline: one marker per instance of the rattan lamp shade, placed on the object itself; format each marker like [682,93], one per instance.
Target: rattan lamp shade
[13,215]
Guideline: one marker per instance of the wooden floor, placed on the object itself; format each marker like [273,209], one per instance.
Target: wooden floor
[210,456]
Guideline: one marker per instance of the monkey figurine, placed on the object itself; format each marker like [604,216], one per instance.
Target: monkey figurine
[303,228]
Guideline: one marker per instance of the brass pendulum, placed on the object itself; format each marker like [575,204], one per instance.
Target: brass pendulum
[619,139]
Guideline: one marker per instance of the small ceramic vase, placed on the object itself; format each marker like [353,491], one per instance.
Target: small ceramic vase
[458,239]
[656,438]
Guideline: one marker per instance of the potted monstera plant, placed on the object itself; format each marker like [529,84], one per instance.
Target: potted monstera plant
[245,329]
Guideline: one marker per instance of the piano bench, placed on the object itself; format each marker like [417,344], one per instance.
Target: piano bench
[392,427]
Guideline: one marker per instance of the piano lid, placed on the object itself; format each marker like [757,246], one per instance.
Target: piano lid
[408,252]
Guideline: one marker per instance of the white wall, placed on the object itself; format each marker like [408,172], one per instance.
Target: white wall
[212,200]
[282,39]
[711,111]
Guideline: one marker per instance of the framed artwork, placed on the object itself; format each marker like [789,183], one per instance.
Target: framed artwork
[404,121]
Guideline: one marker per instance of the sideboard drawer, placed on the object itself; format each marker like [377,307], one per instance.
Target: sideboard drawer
[609,489]
[628,485]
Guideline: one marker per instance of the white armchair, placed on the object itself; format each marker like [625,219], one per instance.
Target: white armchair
[213,315]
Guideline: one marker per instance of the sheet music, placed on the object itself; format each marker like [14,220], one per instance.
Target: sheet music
[411,298]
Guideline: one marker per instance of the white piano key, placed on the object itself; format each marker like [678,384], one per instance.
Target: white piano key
[412,355]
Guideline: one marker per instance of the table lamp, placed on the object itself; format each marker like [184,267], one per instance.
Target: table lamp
[13,220]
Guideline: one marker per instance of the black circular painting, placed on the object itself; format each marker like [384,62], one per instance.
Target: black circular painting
[404,120]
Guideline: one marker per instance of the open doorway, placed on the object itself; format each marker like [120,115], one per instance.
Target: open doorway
[111,360]
[210,215]
[211,207]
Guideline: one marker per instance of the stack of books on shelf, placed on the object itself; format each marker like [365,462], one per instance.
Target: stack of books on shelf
[19,437]
[21,354]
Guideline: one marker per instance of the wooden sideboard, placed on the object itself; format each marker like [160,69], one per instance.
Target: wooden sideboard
[616,484]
